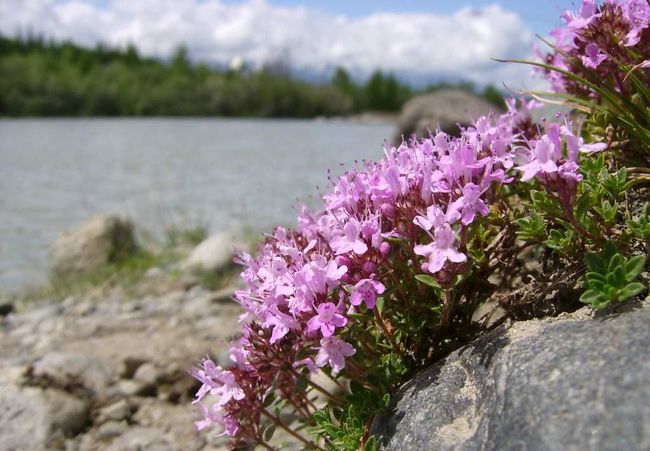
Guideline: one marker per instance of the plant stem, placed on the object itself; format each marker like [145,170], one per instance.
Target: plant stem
[366,433]
[446,308]
[293,433]
[579,228]
[302,410]
[382,325]
[262,443]
[314,385]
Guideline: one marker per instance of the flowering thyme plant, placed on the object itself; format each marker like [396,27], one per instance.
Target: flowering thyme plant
[386,278]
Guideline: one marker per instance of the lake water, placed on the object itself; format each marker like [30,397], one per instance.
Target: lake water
[226,173]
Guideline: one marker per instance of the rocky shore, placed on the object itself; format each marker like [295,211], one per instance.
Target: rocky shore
[106,368]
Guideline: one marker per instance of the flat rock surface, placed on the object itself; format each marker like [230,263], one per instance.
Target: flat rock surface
[577,382]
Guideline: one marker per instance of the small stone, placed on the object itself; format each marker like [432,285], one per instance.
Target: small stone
[65,368]
[111,429]
[154,273]
[213,254]
[129,366]
[147,373]
[127,387]
[117,411]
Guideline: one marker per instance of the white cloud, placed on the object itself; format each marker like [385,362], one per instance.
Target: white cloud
[417,46]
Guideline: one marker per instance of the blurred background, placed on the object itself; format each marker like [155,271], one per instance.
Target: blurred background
[225,114]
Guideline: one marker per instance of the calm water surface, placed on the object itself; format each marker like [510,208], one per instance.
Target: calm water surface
[55,173]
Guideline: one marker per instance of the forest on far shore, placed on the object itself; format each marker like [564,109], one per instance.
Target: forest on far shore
[40,77]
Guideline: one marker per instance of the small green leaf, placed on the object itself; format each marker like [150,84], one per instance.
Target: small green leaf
[427,280]
[615,262]
[371,444]
[633,267]
[270,398]
[595,277]
[593,297]
[594,262]
[268,432]
[380,304]
[631,289]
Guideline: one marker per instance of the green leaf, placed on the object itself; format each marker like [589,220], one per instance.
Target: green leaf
[427,280]
[268,432]
[595,277]
[371,444]
[594,298]
[594,262]
[633,267]
[615,262]
[270,398]
[631,289]
[380,304]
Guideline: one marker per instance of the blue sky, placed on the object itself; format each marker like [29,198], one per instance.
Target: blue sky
[419,41]
[541,16]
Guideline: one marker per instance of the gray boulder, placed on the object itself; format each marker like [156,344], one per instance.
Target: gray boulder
[570,383]
[31,418]
[443,109]
[97,241]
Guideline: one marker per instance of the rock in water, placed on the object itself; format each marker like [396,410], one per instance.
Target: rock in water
[570,383]
[212,254]
[443,109]
[100,240]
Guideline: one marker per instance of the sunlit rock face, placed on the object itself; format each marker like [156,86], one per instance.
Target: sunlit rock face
[573,382]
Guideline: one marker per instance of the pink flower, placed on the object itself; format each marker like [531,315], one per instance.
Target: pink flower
[541,160]
[281,323]
[230,389]
[327,319]
[308,363]
[593,56]
[333,351]
[470,203]
[320,274]
[637,13]
[441,250]
[366,290]
[586,14]
[350,240]
[436,217]
[217,382]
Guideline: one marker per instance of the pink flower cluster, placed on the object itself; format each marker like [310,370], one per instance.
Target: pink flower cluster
[600,38]
[552,159]
[412,209]
[410,212]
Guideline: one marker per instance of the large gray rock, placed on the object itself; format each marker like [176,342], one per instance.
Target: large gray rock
[570,383]
[31,418]
[99,240]
[443,109]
